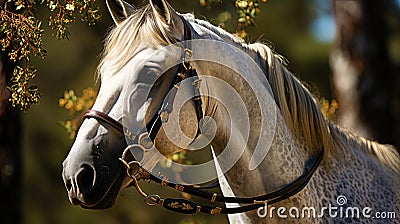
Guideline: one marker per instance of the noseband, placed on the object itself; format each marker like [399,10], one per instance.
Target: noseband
[103,117]
[136,172]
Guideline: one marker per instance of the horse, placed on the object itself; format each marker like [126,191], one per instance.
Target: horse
[275,135]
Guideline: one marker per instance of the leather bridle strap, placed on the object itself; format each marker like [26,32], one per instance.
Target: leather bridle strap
[185,71]
[180,205]
[102,117]
[289,189]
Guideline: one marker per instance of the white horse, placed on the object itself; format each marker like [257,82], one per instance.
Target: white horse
[356,182]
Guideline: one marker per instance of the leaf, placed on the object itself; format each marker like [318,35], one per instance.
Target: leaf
[19,7]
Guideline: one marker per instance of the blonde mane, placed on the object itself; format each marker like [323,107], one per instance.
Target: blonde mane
[302,115]
[297,105]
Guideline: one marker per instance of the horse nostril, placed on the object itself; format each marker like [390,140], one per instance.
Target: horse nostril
[85,179]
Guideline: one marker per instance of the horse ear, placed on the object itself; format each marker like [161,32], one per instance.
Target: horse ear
[119,10]
[163,8]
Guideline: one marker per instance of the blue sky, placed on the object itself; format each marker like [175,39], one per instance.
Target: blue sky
[323,27]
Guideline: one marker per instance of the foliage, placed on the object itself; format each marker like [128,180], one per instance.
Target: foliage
[247,10]
[87,9]
[76,106]
[192,220]
[328,108]
[21,37]
[22,94]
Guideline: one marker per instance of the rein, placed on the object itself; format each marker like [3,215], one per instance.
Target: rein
[136,172]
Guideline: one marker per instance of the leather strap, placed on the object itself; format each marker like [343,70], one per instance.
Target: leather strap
[178,204]
[100,116]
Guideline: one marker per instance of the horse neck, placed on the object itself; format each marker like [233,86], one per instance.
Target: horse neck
[285,159]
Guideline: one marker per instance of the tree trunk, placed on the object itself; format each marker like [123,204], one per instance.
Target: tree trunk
[10,151]
[362,74]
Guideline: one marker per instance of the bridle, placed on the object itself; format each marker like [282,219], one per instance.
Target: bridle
[136,172]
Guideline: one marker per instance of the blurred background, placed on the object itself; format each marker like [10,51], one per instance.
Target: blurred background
[303,31]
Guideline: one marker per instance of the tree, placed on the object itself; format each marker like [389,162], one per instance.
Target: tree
[363,74]
[10,153]
[20,38]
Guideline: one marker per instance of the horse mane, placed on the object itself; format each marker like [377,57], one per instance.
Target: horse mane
[386,154]
[297,105]
[304,118]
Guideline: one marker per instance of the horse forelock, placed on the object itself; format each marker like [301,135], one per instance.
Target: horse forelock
[142,29]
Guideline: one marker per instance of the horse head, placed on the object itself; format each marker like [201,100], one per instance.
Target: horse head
[131,83]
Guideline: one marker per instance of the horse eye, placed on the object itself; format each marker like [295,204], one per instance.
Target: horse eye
[152,76]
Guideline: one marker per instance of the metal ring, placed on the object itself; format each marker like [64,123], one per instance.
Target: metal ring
[133,149]
[152,199]
[145,141]
[133,168]
[188,52]
[124,163]
[124,154]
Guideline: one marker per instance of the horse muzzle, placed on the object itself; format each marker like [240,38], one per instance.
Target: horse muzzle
[85,188]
